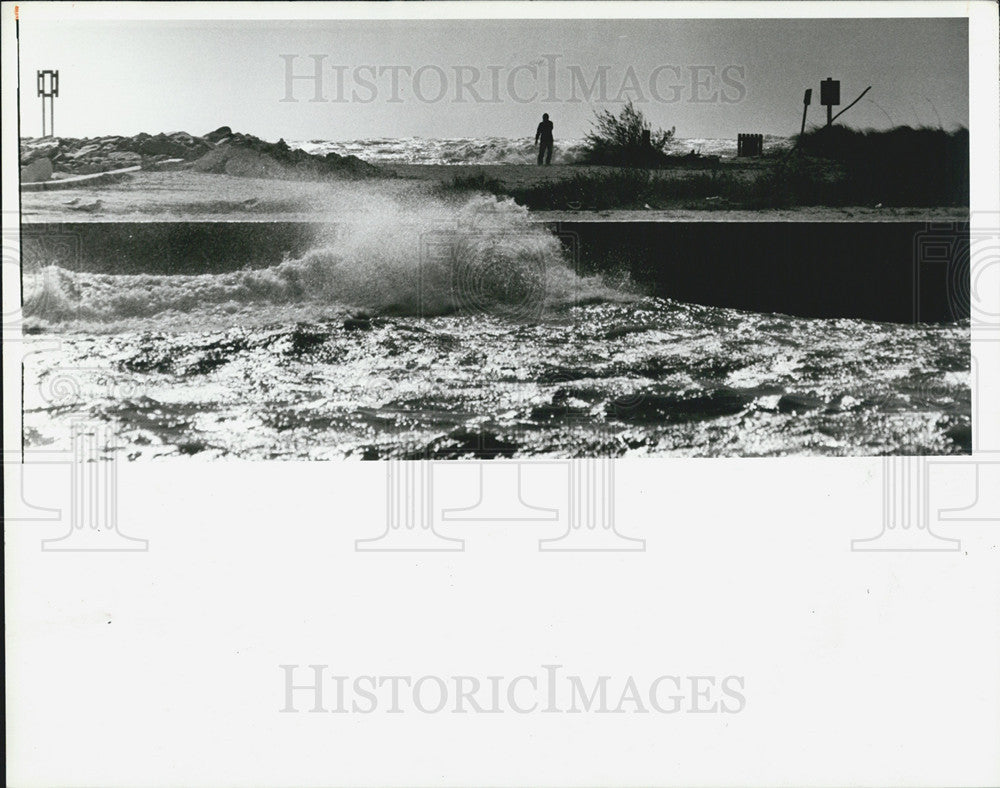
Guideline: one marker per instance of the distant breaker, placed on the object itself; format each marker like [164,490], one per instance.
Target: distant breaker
[318,78]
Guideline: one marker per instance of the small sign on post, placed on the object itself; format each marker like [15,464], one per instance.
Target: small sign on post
[829,96]
[806,101]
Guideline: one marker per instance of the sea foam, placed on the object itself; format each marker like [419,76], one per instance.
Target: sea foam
[415,256]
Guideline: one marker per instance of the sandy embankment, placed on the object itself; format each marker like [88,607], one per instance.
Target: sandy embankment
[188,195]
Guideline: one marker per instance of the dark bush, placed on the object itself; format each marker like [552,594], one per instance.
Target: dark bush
[618,140]
[900,166]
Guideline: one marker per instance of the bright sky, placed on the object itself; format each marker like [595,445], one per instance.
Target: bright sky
[708,78]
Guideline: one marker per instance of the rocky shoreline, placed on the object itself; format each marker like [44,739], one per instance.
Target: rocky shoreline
[219,151]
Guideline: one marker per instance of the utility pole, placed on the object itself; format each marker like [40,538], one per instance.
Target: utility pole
[48,88]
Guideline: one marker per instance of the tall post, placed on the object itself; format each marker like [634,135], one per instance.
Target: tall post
[48,88]
[806,101]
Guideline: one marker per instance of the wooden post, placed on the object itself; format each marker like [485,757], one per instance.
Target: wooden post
[806,101]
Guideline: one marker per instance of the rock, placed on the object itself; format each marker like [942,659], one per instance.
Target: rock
[124,158]
[37,149]
[222,151]
[160,144]
[219,134]
[38,170]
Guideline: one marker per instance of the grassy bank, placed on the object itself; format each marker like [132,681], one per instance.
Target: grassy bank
[901,166]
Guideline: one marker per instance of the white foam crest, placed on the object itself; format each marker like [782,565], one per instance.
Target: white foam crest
[417,150]
[413,256]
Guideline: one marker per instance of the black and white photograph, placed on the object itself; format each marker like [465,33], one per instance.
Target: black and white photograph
[536,393]
[464,238]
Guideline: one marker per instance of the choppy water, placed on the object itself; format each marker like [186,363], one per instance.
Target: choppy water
[492,150]
[490,345]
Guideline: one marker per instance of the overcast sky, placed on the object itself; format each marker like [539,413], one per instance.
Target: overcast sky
[707,78]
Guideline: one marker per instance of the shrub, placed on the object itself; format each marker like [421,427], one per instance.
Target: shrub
[899,166]
[617,140]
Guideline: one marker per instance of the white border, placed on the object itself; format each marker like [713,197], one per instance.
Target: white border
[862,669]
[502,9]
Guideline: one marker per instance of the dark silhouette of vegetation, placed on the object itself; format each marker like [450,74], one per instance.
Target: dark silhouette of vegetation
[836,167]
[618,140]
[626,188]
[899,166]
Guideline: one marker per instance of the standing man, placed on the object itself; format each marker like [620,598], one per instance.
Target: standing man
[544,133]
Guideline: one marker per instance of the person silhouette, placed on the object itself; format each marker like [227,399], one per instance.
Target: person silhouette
[544,133]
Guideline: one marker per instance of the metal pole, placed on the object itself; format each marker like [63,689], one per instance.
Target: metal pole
[52,116]
[43,116]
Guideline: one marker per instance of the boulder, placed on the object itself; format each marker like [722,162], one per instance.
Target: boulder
[40,148]
[222,150]
[159,144]
[39,170]
[123,158]
[219,134]
[86,150]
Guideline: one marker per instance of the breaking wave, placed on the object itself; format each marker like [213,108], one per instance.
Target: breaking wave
[420,258]
[417,150]
[496,150]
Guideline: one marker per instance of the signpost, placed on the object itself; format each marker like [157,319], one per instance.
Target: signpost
[829,96]
[806,101]
[48,88]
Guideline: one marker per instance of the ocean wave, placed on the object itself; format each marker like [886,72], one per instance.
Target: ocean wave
[496,150]
[417,150]
[482,256]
